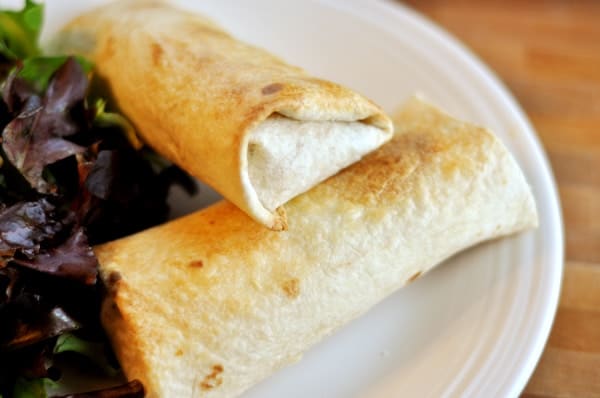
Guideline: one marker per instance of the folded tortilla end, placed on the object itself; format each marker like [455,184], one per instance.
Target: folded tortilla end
[211,303]
[256,129]
[283,157]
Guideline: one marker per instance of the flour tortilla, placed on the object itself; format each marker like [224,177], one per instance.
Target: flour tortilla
[210,304]
[256,129]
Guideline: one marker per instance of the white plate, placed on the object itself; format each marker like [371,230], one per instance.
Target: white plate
[475,326]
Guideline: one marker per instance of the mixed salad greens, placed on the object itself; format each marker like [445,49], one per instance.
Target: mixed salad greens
[72,175]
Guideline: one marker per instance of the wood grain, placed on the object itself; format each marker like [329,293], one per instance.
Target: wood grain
[548,54]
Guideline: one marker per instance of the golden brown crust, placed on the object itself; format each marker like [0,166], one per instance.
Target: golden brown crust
[195,93]
[417,142]
[261,298]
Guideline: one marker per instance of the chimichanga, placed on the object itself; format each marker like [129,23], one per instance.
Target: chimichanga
[256,129]
[208,305]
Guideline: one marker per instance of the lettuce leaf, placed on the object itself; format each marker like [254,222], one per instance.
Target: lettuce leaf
[73,173]
[20,30]
[95,351]
[74,259]
[35,138]
[24,226]
[35,388]
[37,71]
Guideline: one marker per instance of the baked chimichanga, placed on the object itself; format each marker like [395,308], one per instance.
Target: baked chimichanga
[256,129]
[209,304]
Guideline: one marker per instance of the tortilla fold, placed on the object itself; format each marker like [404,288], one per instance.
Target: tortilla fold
[209,304]
[259,131]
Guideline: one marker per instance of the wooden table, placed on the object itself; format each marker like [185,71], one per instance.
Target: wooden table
[548,54]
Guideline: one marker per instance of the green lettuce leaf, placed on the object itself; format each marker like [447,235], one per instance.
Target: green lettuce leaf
[20,30]
[38,70]
[102,118]
[35,388]
[96,352]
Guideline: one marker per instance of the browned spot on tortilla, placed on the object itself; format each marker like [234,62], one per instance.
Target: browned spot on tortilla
[415,276]
[450,167]
[113,278]
[251,148]
[111,283]
[280,223]
[213,379]
[391,171]
[262,110]
[212,222]
[179,352]
[272,88]
[333,89]
[110,310]
[157,53]
[291,287]
[196,264]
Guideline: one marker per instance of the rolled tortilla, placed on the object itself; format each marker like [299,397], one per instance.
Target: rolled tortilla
[256,129]
[208,305]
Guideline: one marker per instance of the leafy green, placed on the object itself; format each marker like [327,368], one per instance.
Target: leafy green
[96,352]
[29,388]
[20,30]
[37,136]
[104,119]
[35,388]
[72,174]
[37,71]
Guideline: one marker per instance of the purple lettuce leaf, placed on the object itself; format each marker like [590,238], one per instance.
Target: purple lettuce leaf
[24,226]
[35,138]
[49,325]
[15,91]
[74,259]
[65,92]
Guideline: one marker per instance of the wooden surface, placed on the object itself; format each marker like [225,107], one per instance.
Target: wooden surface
[548,54]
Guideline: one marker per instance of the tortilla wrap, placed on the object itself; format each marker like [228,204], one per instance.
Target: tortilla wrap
[209,304]
[259,131]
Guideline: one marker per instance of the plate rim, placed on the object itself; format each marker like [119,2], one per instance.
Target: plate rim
[557,252]
[525,130]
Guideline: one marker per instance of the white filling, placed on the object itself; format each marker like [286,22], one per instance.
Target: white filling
[287,157]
